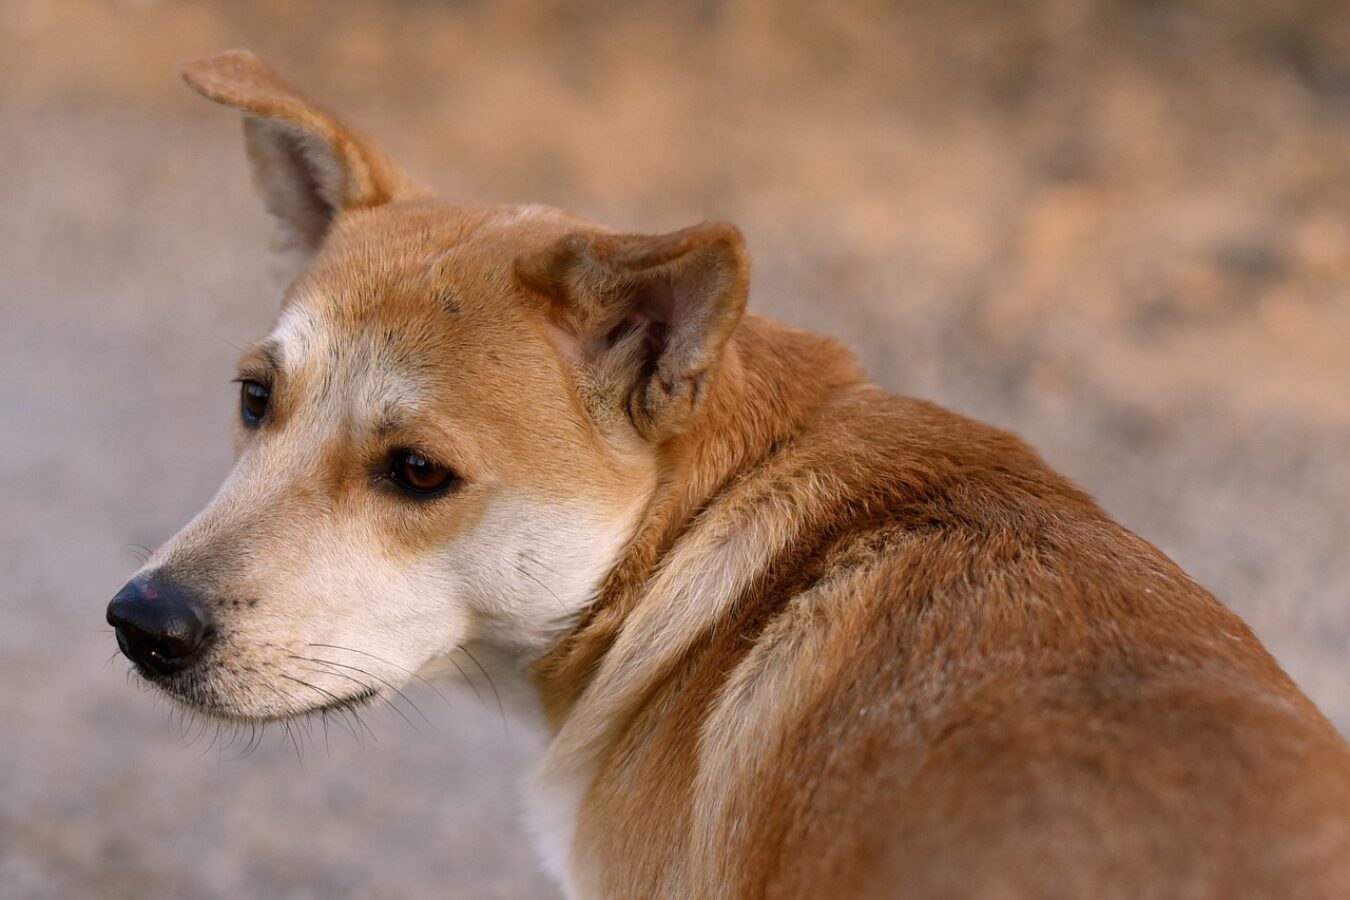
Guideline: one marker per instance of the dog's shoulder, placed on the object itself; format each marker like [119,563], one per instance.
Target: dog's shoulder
[902,598]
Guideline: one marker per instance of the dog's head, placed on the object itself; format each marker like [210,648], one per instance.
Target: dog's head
[449,435]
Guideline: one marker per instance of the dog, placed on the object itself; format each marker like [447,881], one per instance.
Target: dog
[789,635]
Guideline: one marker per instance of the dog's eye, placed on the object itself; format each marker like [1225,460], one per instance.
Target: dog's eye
[253,398]
[416,473]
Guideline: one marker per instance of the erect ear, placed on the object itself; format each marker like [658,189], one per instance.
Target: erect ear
[645,316]
[308,166]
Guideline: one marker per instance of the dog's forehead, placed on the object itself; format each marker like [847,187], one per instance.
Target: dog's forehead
[425,266]
[411,312]
[398,354]
[394,304]
[366,371]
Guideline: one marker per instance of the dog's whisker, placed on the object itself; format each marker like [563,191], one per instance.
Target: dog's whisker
[236,735]
[362,722]
[364,686]
[308,723]
[467,680]
[465,675]
[323,717]
[337,702]
[530,575]
[211,744]
[290,736]
[233,739]
[530,557]
[369,674]
[296,737]
[501,710]
[400,669]
[258,730]
[345,715]
[140,552]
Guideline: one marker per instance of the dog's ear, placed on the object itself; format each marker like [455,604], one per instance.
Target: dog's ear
[308,166]
[647,316]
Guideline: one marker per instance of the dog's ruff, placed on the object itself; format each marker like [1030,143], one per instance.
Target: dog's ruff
[790,635]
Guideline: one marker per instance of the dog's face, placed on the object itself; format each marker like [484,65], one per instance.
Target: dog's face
[412,471]
[448,436]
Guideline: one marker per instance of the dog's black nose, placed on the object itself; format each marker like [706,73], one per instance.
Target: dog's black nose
[160,627]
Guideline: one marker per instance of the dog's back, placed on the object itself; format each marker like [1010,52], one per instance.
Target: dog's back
[946,673]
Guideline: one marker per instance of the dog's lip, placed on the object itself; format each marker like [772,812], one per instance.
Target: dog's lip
[180,686]
[365,695]
[183,693]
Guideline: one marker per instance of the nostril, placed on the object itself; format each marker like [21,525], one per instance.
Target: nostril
[160,627]
[154,652]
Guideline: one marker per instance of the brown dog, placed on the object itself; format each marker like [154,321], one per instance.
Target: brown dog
[793,636]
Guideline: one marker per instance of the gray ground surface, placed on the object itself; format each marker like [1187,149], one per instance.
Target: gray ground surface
[1122,229]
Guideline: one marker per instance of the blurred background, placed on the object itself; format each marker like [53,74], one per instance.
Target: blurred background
[1120,228]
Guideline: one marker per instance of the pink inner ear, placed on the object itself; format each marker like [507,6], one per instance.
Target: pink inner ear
[652,310]
[656,300]
[568,345]
[653,331]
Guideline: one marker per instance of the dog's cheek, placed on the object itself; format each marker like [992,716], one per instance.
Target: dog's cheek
[532,565]
[401,608]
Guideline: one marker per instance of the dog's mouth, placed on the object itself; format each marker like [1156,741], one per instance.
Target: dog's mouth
[354,701]
[247,703]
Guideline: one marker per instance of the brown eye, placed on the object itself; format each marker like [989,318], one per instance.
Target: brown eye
[253,397]
[418,474]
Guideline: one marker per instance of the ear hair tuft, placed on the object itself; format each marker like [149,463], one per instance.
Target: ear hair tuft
[661,307]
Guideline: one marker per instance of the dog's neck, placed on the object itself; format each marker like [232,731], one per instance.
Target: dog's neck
[773,379]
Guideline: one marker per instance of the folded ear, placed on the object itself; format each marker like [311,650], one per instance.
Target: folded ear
[308,166]
[646,316]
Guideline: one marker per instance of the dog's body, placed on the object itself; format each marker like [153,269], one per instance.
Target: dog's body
[792,636]
[882,650]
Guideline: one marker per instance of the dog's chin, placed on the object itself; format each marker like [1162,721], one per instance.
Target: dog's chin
[244,704]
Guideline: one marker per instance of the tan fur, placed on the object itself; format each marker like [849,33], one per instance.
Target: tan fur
[813,640]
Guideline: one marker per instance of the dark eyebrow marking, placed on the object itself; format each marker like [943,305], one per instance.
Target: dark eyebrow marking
[271,353]
[392,418]
[262,360]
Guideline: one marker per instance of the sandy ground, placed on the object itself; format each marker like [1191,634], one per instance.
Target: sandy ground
[1122,229]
